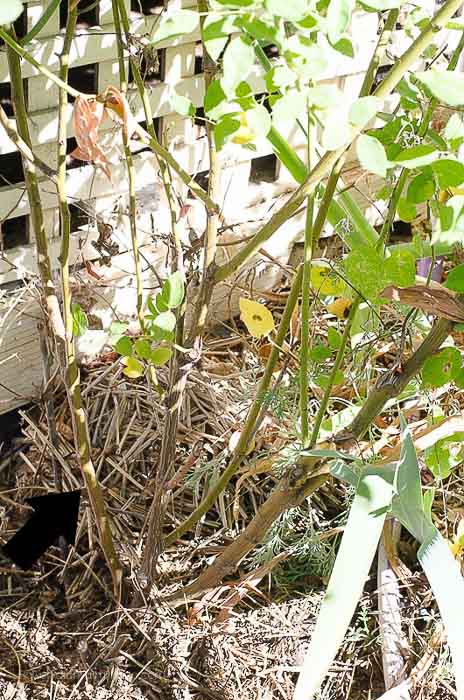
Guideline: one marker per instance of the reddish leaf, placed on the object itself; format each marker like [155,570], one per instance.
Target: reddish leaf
[118,109]
[87,117]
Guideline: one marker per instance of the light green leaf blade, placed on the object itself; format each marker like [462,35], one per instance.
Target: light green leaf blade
[450,173]
[447,585]
[372,155]
[10,11]
[363,110]
[292,10]
[416,156]
[338,18]
[343,592]
[446,86]
[237,61]
[172,292]
[174,24]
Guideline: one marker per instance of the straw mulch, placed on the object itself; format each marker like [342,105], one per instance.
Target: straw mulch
[61,636]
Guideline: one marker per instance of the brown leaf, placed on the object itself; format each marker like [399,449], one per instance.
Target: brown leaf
[87,117]
[119,110]
[436,300]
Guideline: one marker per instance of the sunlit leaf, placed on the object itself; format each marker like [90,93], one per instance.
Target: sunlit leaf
[133,369]
[160,356]
[175,23]
[326,282]
[172,293]
[142,348]
[162,327]
[256,317]
[372,155]
[446,86]
[338,18]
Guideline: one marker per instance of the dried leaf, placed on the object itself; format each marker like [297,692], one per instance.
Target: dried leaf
[87,117]
[340,307]
[119,110]
[436,300]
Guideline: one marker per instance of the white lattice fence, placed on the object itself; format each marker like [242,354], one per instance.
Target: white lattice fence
[251,181]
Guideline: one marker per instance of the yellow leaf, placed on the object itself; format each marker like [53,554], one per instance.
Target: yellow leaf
[256,317]
[340,307]
[133,368]
[326,282]
[244,134]
[455,548]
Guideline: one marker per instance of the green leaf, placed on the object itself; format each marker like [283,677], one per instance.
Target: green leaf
[371,155]
[289,107]
[236,3]
[172,292]
[215,100]
[320,352]
[442,367]
[291,10]
[407,503]
[338,18]
[334,338]
[162,327]
[80,320]
[10,11]
[142,348]
[400,268]
[324,96]
[225,127]
[280,78]
[446,86]
[344,46]
[216,31]
[160,356]
[416,156]
[406,210]
[373,494]
[337,131]
[180,104]
[117,330]
[442,458]
[323,380]
[421,188]
[237,62]
[450,225]
[259,121]
[447,584]
[175,23]
[363,267]
[133,368]
[363,110]
[450,173]
[454,131]
[381,5]
[124,346]
[455,279]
